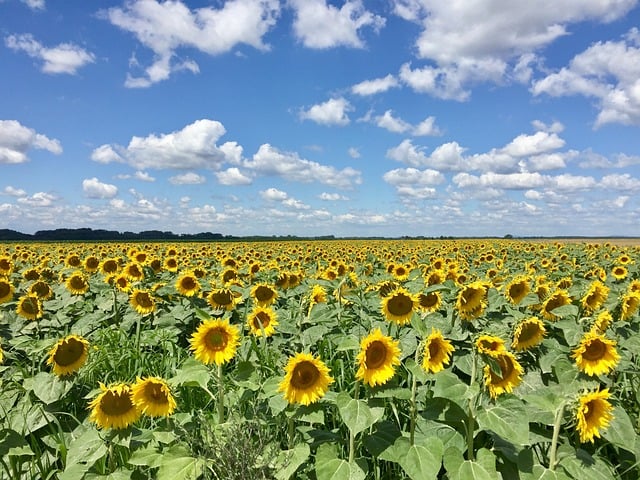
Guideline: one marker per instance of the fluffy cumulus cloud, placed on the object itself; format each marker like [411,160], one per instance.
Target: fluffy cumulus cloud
[377,85]
[270,161]
[94,188]
[233,176]
[63,58]
[488,40]
[16,140]
[194,146]
[275,195]
[321,25]
[608,72]
[35,4]
[332,112]
[332,197]
[414,183]
[14,192]
[165,27]
[395,124]
[188,178]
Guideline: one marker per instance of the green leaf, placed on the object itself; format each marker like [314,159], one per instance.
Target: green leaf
[177,464]
[448,385]
[383,438]
[87,448]
[192,373]
[470,470]
[47,387]
[579,464]
[423,461]
[289,461]
[148,457]
[356,414]
[620,431]
[338,469]
[10,439]
[508,418]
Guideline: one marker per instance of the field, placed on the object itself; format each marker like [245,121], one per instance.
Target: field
[389,359]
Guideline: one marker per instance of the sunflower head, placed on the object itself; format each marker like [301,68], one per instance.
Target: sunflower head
[437,352]
[317,295]
[528,333]
[490,345]
[262,320]
[91,264]
[6,290]
[114,407]
[558,299]
[399,306]
[153,397]
[306,379]
[435,277]
[471,300]
[378,357]
[602,322]
[6,265]
[509,376]
[222,299]
[68,355]
[134,271]
[517,289]
[215,341]
[619,272]
[629,305]
[429,302]
[596,354]
[142,301]
[264,294]
[593,414]
[595,296]
[77,283]
[30,307]
[109,266]
[187,284]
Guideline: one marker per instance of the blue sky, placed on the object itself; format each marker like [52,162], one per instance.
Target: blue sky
[316,117]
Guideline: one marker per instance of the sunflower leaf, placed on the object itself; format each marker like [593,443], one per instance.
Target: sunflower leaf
[289,461]
[192,373]
[620,432]
[356,414]
[338,469]
[507,418]
[47,387]
[424,460]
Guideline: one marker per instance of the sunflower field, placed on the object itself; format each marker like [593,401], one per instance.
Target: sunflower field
[367,359]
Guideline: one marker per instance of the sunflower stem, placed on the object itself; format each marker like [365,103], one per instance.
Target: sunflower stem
[470,425]
[291,431]
[352,436]
[414,392]
[220,395]
[556,433]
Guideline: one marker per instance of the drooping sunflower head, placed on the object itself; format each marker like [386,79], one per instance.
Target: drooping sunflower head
[77,283]
[152,396]
[435,277]
[109,266]
[6,290]
[262,319]
[594,414]
[222,299]
[528,333]
[629,305]
[517,289]
[187,284]
[378,357]
[602,322]
[471,300]
[385,287]
[114,407]
[317,295]
[142,301]
[306,379]
[134,272]
[557,299]
[437,352]
[509,376]
[399,305]
[596,354]
[429,302]
[215,341]
[490,345]
[68,355]
[30,307]
[263,294]
[595,296]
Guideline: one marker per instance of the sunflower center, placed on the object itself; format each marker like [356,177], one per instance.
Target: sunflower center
[261,318]
[400,304]
[30,306]
[217,340]
[529,331]
[434,349]
[375,355]
[144,300]
[471,297]
[516,290]
[5,265]
[74,261]
[5,289]
[305,374]
[116,404]
[68,352]
[263,293]
[172,263]
[429,300]
[154,393]
[188,283]
[222,298]
[506,368]
[110,266]
[77,282]
[594,350]
[92,262]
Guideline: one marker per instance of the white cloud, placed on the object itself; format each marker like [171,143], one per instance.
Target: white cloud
[510,181]
[397,125]
[414,183]
[526,145]
[139,175]
[377,85]
[624,182]
[554,127]
[268,160]
[273,194]
[426,128]
[391,123]
[547,161]
[94,188]
[606,71]
[446,157]
[16,140]
[233,176]
[188,178]
[164,27]
[38,199]
[354,152]
[190,148]
[35,4]
[63,58]
[14,192]
[318,25]
[332,112]
[332,197]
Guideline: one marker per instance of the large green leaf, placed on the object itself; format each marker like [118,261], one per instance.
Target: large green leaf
[422,462]
[177,464]
[470,470]
[47,387]
[192,373]
[356,414]
[507,418]
[337,469]
[620,431]
[86,448]
[289,461]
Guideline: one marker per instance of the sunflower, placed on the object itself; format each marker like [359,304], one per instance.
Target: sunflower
[385,287]
[429,302]
[222,299]
[77,283]
[29,307]
[435,277]
[6,266]
[6,290]
[171,264]
[91,264]
[142,301]
[558,299]
[629,305]
[594,298]
[134,272]
[509,377]
[1,355]
[42,289]
[215,341]
[596,354]
[399,305]
[517,289]
[593,414]
[619,272]
[264,295]
[471,302]
[306,379]
[401,272]
[490,345]
[187,284]
[122,282]
[153,397]
[262,319]
[72,260]
[109,266]
[602,322]
[437,352]
[114,407]
[68,355]
[317,295]
[528,333]
[31,274]
[378,357]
